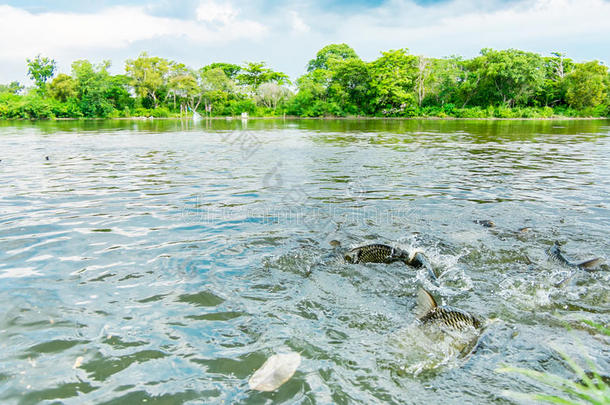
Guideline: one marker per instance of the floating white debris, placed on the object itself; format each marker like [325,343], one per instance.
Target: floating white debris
[278,369]
[78,362]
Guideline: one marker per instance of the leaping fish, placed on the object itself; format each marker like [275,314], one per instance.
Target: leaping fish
[429,312]
[376,253]
[380,253]
[418,260]
[556,253]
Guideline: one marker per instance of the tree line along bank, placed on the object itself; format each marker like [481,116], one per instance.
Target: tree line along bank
[497,83]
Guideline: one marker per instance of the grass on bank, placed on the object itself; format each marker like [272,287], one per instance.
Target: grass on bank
[584,388]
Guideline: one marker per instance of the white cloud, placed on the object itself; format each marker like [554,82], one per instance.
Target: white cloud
[461,26]
[286,36]
[23,34]
[297,23]
[211,11]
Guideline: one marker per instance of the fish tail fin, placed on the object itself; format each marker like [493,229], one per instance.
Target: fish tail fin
[591,263]
[425,303]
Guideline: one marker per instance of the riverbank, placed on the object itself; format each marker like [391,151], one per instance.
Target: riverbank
[292,117]
[32,107]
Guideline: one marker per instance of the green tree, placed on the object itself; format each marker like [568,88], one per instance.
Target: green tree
[393,80]
[350,85]
[586,85]
[215,86]
[148,75]
[423,73]
[62,87]
[552,91]
[216,80]
[180,79]
[558,65]
[11,88]
[229,69]
[188,90]
[253,74]
[315,83]
[117,92]
[271,94]
[40,70]
[92,84]
[336,83]
[191,88]
[445,76]
[311,98]
[509,77]
[329,54]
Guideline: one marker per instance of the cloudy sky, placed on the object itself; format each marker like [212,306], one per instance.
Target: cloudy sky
[286,34]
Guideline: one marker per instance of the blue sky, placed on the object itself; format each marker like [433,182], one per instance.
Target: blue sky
[286,34]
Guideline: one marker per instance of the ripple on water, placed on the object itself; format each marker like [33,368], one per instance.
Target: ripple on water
[155,262]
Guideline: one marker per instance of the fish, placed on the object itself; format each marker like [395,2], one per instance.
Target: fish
[376,253]
[428,312]
[555,253]
[418,260]
[487,223]
[380,253]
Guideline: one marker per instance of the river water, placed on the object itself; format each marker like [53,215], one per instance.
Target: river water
[165,261]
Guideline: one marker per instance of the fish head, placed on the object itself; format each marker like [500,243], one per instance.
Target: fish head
[351,256]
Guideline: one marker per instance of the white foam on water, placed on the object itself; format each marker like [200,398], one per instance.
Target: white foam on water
[416,349]
[451,275]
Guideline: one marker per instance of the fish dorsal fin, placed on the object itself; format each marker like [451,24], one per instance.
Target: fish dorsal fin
[589,264]
[425,303]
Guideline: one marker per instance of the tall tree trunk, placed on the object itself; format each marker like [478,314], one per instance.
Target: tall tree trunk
[421,79]
[470,95]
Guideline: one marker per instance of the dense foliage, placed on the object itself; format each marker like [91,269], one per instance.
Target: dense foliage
[498,83]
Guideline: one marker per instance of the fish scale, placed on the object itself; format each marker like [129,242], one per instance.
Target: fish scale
[428,312]
[380,253]
[452,317]
[377,253]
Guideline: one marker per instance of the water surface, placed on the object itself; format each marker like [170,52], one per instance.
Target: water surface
[164,261]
